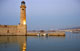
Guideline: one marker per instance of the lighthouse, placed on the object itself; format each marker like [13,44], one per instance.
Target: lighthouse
[22,27]
[23,13]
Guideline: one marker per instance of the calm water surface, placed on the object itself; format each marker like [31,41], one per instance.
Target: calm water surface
[70,42]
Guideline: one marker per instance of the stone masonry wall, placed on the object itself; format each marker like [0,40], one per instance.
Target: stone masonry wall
[13,30]
[8,29]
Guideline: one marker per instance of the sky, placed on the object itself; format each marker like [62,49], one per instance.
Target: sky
[42,14]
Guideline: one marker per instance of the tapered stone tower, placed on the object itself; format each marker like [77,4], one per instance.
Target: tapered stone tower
[23,13]
[22,27]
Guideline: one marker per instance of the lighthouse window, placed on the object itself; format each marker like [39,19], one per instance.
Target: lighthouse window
[22,9]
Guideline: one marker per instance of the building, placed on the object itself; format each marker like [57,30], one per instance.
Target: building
[20,29]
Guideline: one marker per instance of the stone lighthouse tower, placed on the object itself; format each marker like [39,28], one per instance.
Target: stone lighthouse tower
[22,27]
[23,13]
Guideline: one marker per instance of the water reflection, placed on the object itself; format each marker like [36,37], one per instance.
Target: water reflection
[43,43]
[72,35]
[13,43]
[70,42]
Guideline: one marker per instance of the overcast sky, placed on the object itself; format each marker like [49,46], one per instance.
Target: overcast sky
[42,14]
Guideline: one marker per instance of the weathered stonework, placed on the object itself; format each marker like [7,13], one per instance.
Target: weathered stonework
[20,29]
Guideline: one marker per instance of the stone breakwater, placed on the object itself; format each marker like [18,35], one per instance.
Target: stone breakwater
[46,34]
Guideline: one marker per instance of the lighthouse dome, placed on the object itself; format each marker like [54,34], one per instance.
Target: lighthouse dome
[23,2]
